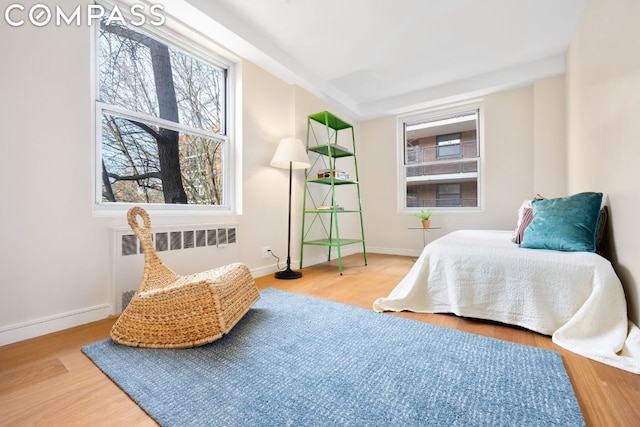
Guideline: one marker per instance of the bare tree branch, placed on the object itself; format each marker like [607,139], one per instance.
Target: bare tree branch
[134,177]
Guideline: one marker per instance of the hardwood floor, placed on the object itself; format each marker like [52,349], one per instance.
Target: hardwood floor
[48,381]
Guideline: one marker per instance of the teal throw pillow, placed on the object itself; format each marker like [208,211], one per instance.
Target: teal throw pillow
[564,224]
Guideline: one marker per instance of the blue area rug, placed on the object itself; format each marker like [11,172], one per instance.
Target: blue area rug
[295,360]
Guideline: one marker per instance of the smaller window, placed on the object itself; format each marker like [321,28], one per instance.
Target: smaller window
[449,146]
[448,195]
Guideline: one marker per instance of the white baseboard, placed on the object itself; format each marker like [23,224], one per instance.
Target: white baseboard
[356,250]
[394,251]
[263,271]
[272,268]
[295,264]
[45,325]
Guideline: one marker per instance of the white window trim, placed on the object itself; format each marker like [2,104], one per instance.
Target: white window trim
[434,113]
[195,41]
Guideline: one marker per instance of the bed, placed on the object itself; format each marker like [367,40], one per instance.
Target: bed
[573,296]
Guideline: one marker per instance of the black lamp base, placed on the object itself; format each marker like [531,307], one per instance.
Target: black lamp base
[288,274]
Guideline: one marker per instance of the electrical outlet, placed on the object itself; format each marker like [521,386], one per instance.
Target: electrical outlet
[266,252]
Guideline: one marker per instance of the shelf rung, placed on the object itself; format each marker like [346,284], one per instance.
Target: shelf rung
[330,120]
[334,150]
[330,180]
[331,211]
[327,242]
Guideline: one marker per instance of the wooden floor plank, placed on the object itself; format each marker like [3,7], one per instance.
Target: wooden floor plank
[48,381]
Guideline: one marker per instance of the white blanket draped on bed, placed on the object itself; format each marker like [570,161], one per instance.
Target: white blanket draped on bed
[575,297]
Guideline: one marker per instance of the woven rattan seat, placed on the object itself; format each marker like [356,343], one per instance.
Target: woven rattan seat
[173,311]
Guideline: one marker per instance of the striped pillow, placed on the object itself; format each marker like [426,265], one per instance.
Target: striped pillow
[525,220]
[520,226]
[601,232]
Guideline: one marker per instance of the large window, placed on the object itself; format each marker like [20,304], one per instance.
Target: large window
[441,159]
[162,117]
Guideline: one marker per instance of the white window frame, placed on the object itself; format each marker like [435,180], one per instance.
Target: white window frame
[195,43]
[434,114]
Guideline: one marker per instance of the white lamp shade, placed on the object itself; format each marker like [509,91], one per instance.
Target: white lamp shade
[291,151]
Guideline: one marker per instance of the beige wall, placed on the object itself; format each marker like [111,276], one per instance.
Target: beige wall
[603,84]
[550,136]
[511,119]
[53,253]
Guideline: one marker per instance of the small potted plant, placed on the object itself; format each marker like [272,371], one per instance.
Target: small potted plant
[425,216]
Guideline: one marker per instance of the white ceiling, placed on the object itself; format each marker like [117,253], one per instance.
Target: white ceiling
[378,57]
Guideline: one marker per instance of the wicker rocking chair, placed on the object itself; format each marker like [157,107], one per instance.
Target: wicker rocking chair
[173,311]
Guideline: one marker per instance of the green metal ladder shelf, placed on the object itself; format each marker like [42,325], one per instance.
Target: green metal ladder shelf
[320,210]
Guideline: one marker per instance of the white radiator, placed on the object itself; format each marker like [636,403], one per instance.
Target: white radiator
[185,249]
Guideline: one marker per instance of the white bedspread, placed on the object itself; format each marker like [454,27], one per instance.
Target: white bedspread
[576,297]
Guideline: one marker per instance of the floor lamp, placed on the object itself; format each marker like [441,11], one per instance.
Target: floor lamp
[290,154]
